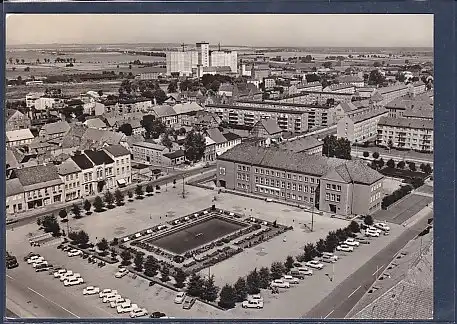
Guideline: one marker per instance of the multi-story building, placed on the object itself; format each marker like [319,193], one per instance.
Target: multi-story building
[307,144]
[31,97]
[406,133]
[149,152]
[225,58]
[166,114]
[152,74]
[182,63]
[392,92]
[418,87]
[70,173]
[19,137]
[345,187]
[411,106]
[341,88]
[16,120]
[104,174]
[88,187]
[203,54]
[360,127]
[122,164]
[42,185]
[223,142]
[268,130]
[54,130]
[355,80]
[260,72]
[15,201]
[269,83]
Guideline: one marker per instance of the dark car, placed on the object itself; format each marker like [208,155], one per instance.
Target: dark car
[31,254]
[158,315]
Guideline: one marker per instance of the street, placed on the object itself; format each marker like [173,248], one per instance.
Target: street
[344,297]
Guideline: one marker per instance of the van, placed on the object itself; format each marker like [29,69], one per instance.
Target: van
[329,257]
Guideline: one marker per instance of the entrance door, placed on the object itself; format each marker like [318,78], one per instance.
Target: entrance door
[332,208]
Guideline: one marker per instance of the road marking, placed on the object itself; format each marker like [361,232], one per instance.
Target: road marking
[352,293]
[378,269]
[329,314]
[47,299]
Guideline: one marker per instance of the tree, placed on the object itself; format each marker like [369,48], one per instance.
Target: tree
[428,168]
[139,258]
[412,166]
[126,129]
[98,204]
[130,194]
[50,225]
[241,290]
[336,147]
[126,257]
[166,141]
[375,155]
[210,290]
[390,144]
[320,246]
[264,277]
[172,87]
[376,78]
[366,154]
[74,237]
[109,198]
[310,252]
[149,189]
[327,65]
[391,163]
[354,227]
[147,124]
[277,270]
[253,282]
[289,264]
[157,128]
[331,241]
[195,286]
[103,245]
[119,197]
[368,220]
[76,210]
[401,165]
[87,205]
[151,266]
[83,238]
[139,191]
[180,277]
[227,297]
[63,214]
[380,163]
[194,146]
[160,96]
[376,64]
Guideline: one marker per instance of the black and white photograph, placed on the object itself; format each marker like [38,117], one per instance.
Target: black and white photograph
[219,166]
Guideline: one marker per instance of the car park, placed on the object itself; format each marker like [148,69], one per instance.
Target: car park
[117,302]
[280,283]
[250,303]
[315,264]
[344,248]
[291,279]
[382,226]
[121,273]
[305,271]
[74,252]
[106,291]
[72,281]
[91,290]
[179,299]
[126,308]
[351,242]
[188,303]
[110,297]
[138,312]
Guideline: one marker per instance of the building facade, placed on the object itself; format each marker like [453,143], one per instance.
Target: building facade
[182,63]
[122,164]
[225,58]
[15,200]
[360,127]
[149,153]
[70,174]
[203,54]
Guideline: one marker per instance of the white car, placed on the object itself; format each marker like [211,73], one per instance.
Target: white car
[371,233]
[74,252]
[179,299]
[315,264]
[35,259]
[138,312]
[291,279]
[126,308]
[118,302]
[39,263]
[305,271]
[110,297]
[280,283]
[121,273]
[375,229]
[382,226]
[252,303]
[68,275]
[256,297]
[344,248]
[351,242]
[91,290]
[106,291]
[73,281]
[59,273]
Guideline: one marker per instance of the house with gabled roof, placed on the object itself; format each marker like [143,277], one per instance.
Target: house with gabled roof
[54,130]
[19,137]
[267,129]
[223,142]
[70,173]
[16,120]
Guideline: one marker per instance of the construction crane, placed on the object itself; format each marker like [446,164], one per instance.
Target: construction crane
[183,46]
[219,47]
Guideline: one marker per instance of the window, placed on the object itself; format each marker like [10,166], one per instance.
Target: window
[283,184]
[300,187]
[243,168]
[294,177]
[306,179]
[267,172]
[338,188]
[313,189]
[288,176]
[294,197]
[305,189]
[261,181]
[261,171]
[248,169]
[311,200]
[332,197]
[239,168]
[288,185]
[338,198]
[288,195]
[267,182]
[282,194]
[255,189]
[294,186]
[256,170]
[327,186]
[277,174]
[256,179]
[247,177]
[311,180]
[222,171]
[327,196]
[261,189]
[318,181]
[283,175]
[300,178]
[333,187]
[298,197]
[277,183]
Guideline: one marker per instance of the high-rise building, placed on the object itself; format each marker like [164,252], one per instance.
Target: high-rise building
[182,62]
[225,58]
[203,54]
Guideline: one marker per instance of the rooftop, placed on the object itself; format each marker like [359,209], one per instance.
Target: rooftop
[270,125]
[13,187]
[301,144]
[44,175]
[56,128]
[164,111]
[95,123]
[150,145]
[406,123]
[175,154]
[117,150]
[82,161]
[216,135]
[67,167]
[368,115]
[19,135]
[98,157]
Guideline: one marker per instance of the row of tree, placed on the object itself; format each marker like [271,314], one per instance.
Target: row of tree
[379,164]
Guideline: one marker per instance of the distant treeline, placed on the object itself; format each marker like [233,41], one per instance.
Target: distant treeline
[147,53]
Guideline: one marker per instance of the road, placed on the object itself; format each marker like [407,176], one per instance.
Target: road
[344,297]
[161,182]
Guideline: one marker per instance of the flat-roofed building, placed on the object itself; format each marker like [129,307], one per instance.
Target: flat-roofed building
[360,127]
[149,152]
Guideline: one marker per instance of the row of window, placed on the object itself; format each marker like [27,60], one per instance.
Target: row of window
[288,195]
[72,185]
[283,175]
[242,176]
[376,187]
[332,197]
[243,168]
[122,161]
[375,197]
[283,184]
[46,191]
[329,186]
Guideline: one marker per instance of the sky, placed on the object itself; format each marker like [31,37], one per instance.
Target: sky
[257,30]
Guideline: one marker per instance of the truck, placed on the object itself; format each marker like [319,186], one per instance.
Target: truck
[11,261]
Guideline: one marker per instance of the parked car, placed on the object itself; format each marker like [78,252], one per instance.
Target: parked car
[138,312]
[351,242]
[110,297]
[44,267]
[297,265]
[363,241]
[39,263]
[179,299]
[315,264]
[68,274]
[280,283]
[329,257]
[158,315]
[126,308]
[188,302]
[106,291]
[372,228]
[34,258]
[121,273]
[305,271]
[382,226]
[91,290]
[118,302]
[30,256]
[291,279]
[371,233]
[74,252]
[296,274]
[256,297]
[344,248]
[72,281]
[250,303]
